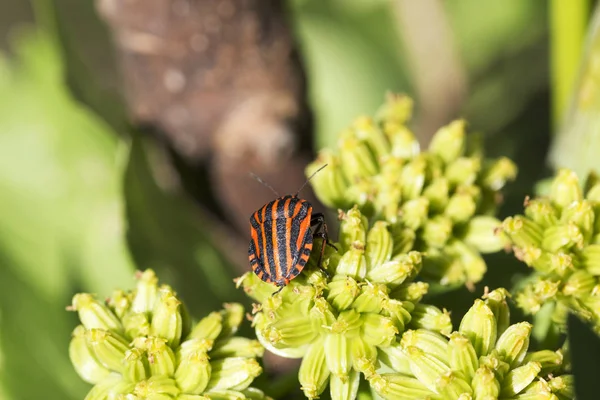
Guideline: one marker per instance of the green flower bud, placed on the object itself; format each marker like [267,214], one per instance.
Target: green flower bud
[514,342]
[590,259]
[379,244]
[461,207]
[108,348]
[398,386]
[329,184]
[167,320]
[581,214]
[361,193]
[356,158]
[348,323]
[485,385]
[322,313]
[156,386]
[437,231]
[397,109]
[295,331]
[353,263]
[463,171]
[542,212]
[412,292]
[398,312]
[414,213]
[160,356]
[533,257]
[110,387]
[146,292]
[430,342]
[522,231]
[343,290]
[482,232]
[395,272]
[255,394]
[449,141]
[404,143]
[119,302]
[412,178]
[437,192]
[378,330]
[549,360]
[565,188]
[451,385]
[563,385]
[366,130]
[233,373]
[472,265]
[314,374]
[426,367]
[533,296]
[387,201]
[363,355]
[136,324]
[233,315]
[337,355]
[183,396]
[344,389]
[395,357]
[429,317]
[519,378]
[494,362]
[479,325]
[579,284]
[94,314]
[461,355]
[496,174]
[353,229]
[135,369]
[496,301]
[560,237]
[237,347]
[88,367]
[209,327]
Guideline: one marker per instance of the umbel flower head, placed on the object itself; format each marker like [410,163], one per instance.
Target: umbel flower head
[485,359]
[141,345]
[444,198]
[339,322]
[559,237]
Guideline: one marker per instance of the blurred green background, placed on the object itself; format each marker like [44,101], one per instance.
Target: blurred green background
[80,205]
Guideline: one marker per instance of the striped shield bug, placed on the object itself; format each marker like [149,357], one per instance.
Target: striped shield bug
[282,237]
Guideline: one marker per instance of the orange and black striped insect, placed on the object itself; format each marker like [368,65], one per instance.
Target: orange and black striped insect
[282,238]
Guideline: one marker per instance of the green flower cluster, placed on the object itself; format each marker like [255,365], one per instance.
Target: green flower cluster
[444,198]
[559,236]
[141,345]
[339,322]
[485,359]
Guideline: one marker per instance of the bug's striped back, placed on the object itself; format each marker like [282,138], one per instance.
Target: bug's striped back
[281,239]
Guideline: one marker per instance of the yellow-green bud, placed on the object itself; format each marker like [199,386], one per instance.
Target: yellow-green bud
[561,237]
[236,373]
[582,215]
[579,284]
[110,387]
[146,292]
[398,312]
[343,290]
[590,259]
[314,374]
[167,320]
[461,207]
[337,355]
[353,263]
[85,362]
[395,272]
[353,229]
[522,231]
[565,188]
[160,356]
[514,342]
[437,192]
[294,331]
[437,231]
[357,161]
[365,129]
[136,324]
[473,265]
[404,143]
[371,298]
[329,184]
[461,355]
[430,342]
[209,327]
[453,386]
[379,244]
[463,170]
[412,292]
[549,360]
[519,378]
[233,315]
[237,347]
[120,302]
[482,232]
[108,348]
[496,174]
[426,367]
[344,389]
[397,109]
[94,314]
[398,386]
[412,178]
[378,330]
[363,355]
[494,362]
[496,301]
[542,212]
[449,141]
[414,213]
[322,313]
[426,316]
[485,385]
[156,387]
[479,325]
[136,368]
[563,385]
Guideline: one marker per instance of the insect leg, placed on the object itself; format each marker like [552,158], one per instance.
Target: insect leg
[320,230]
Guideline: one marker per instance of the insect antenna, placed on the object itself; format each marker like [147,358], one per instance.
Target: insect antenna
[308,180]
[252,174]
